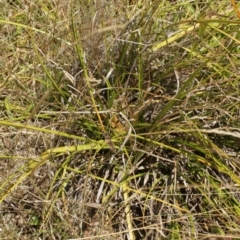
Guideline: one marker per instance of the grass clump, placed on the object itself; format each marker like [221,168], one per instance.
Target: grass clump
[119,120]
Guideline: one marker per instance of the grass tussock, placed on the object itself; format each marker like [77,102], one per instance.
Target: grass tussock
[119,119]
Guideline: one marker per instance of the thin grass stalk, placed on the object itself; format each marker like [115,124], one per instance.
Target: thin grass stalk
[181,93]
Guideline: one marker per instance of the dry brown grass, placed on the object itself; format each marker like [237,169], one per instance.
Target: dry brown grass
[119,119]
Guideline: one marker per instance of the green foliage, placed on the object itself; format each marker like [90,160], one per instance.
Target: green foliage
[119,120]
